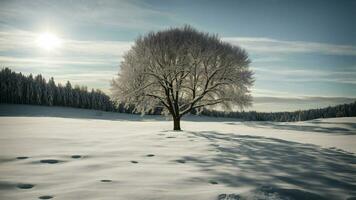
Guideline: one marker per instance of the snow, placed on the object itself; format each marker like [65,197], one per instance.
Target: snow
[211,159]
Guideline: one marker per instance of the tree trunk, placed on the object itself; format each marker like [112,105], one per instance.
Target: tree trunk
[176,122]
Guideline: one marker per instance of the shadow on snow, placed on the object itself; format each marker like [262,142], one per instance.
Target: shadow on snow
[341,128]
[295,170]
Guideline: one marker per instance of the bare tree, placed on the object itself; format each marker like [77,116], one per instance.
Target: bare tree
[182,69]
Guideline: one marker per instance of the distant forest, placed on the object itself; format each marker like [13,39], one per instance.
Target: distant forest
[16,88]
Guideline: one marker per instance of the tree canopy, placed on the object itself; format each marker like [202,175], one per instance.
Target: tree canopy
[182,69]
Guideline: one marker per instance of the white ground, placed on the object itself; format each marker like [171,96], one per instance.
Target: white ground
[255,160]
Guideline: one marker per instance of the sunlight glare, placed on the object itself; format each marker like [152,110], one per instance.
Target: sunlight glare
[48,41]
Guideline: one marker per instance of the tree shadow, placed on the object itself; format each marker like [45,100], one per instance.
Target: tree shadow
[351,125]
[348,128]
[243,160]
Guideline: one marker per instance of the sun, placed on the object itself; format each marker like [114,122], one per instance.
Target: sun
[48,41]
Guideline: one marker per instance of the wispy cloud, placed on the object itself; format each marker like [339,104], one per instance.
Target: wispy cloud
[93,76]
[98,48]
[93,63]
[268,45]
[259,92]
[307,74]
[303,99]
[113,13]
[19,49]
[42,61]
[16,40]
[273,104]
[25,41]
[270,100]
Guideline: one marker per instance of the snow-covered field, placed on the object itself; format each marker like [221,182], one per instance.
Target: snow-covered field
[67,153]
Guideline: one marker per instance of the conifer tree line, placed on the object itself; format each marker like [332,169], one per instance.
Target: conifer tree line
[16,88]
[344,110]
[20,89]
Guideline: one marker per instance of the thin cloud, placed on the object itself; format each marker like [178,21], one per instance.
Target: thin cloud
[303,99]
[92,76]
[302,75]
[25,41]
[19,48]
[16,40]
[275,104]
[99,48]
[40,61]
[118,13]
[268,45]
[259,92]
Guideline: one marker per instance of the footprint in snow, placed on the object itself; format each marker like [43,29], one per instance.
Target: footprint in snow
[50,161]
[45,197]
[213,182]
[228,197]
[24,186]
[21,157]
[76,156]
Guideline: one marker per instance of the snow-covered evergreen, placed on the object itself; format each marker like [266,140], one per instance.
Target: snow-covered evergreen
[20,89]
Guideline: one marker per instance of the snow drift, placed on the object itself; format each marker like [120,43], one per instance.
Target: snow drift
[66,153]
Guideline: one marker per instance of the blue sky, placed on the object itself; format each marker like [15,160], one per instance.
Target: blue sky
[303,52]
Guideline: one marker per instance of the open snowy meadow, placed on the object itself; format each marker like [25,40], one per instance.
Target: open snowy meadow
[67,153]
